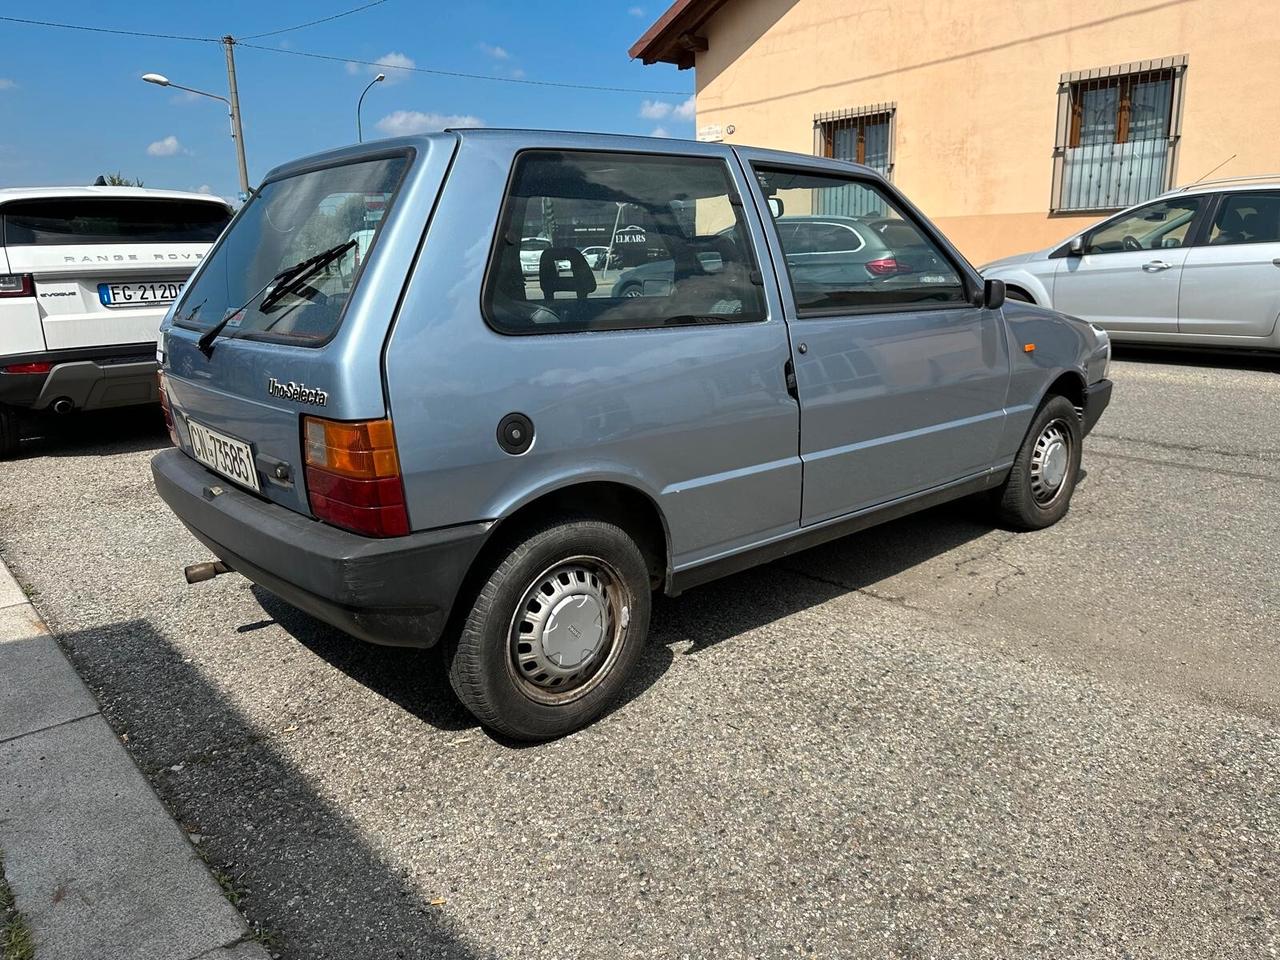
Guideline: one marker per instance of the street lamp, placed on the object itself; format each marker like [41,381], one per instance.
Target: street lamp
[360,103]
[233,106]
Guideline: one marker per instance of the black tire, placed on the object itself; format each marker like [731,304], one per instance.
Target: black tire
[498,663]
[1013,293]
[632,290]
[10,431]
[1030,499]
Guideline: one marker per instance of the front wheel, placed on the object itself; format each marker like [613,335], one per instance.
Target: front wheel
[554,631]
[1038,490]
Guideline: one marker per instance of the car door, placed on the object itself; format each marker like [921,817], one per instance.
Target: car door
[1126,277]
[1231,284]
[901,379]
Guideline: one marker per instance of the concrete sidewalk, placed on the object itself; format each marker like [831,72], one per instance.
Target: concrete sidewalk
[97,866]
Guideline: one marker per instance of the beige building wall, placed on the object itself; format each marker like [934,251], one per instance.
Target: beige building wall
[976,85]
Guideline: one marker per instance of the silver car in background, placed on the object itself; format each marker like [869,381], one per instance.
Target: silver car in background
[1199,266]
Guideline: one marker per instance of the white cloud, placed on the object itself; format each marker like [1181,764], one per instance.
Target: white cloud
[168,147]
[661,109]
[402,123]
[6,83]
[636,11]
[516,73]
[204,188]
[654,109]
[394,65]
[659,132]
[498,53]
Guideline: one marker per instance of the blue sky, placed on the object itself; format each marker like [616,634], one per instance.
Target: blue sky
[72,104]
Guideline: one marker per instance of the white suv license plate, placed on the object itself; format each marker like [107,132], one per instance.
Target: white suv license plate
[226,455]
[151,293]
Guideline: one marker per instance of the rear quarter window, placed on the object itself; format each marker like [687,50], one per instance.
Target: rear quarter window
[91,220]
[593,241]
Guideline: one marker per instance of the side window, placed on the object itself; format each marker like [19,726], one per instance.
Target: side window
[617,241]
[1165,223]
[848,246]
[1247,218]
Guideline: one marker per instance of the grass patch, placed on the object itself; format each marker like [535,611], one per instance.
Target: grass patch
[15,935]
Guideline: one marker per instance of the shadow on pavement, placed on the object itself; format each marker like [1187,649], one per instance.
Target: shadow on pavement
[253,811]
[125,430]
[1199,357]
[415,679]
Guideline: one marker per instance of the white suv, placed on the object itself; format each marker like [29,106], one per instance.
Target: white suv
[86,276]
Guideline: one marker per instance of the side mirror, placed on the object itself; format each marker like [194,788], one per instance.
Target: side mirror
[1076,247]
[776,207]
[993,294]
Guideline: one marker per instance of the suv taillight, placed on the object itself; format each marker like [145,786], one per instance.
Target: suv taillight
[166,409]
[353,476]
[17,285]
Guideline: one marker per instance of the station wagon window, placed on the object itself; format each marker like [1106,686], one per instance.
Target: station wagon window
[287,222]
[1247,218]
[848,246]
[616,241]
[1156,226]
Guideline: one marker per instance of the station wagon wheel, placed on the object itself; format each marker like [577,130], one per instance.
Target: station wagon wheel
[557,624]
[567,629]
[1037,492]
[1050,458]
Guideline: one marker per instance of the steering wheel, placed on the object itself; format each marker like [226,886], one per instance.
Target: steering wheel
[1130,242]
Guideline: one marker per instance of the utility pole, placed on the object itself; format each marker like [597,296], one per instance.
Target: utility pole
[237,132]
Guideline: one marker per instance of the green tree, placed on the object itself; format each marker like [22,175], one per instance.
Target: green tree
[119,180]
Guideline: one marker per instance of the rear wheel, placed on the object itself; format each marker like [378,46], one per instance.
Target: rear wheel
[1037,492]
[554,631]
[10,431]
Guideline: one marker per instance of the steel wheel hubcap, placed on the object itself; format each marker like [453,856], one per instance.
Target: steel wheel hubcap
[567,628]
[1050,461]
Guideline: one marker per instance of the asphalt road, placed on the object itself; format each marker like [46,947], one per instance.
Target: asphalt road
[936,739]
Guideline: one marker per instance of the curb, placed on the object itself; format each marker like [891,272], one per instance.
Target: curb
[97,866]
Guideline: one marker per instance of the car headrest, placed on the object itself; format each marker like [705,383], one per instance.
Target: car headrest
[581,280]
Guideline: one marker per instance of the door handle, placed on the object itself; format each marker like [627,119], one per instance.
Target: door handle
[1155,266]
[1276,262]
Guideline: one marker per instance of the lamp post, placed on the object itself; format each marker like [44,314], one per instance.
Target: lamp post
[233,106]
[360,103]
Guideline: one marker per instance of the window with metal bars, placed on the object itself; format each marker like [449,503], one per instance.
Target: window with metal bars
[863,135]
[1118,130]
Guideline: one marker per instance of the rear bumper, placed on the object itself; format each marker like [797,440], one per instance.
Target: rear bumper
[1097,396]
[397,591]
[94,378]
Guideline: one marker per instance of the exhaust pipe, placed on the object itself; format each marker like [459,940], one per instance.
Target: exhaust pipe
[63,406]
[200,572]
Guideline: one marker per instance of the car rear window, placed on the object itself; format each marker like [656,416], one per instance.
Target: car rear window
[287,222]
[80,220]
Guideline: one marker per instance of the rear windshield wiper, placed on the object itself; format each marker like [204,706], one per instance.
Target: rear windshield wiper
[284,281]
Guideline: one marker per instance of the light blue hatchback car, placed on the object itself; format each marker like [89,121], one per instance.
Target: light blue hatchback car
[419,442]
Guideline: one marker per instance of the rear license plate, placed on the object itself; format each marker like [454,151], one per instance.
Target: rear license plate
[226,455]
[146,293]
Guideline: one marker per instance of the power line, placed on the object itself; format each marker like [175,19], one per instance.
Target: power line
[324,56]
[312,23]
[464,76]
[123,33]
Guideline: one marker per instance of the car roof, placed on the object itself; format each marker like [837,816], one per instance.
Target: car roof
[1262,182]
[8,194]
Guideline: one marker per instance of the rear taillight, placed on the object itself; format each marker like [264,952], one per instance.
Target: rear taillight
[17,285]
[39,367]
[168,410]
[887,267]
[353,476]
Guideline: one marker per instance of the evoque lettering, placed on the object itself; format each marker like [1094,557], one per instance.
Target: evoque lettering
[298,392]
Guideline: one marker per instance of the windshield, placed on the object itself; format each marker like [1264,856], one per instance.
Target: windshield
[287,222]
[38,223]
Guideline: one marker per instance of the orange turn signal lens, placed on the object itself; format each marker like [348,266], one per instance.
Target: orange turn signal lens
[1029,348]
[362,451]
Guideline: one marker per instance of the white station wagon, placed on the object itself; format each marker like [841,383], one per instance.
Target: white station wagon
[86,276]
